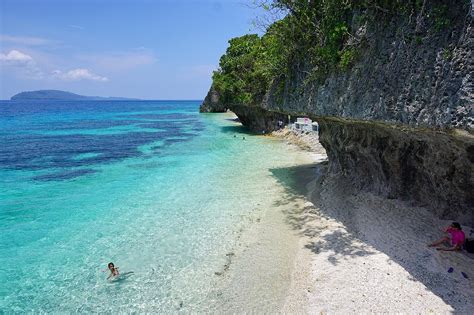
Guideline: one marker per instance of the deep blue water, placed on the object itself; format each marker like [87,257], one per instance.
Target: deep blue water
[50,137]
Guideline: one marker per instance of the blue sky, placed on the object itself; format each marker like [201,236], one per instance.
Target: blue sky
[142,48]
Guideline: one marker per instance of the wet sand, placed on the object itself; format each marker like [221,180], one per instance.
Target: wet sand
[258,272]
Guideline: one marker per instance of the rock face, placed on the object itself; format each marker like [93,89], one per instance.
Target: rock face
[212,104]
[432,168]
[400,121]
[259,120]
[406,73]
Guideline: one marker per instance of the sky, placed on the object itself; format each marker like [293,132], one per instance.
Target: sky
[160,49]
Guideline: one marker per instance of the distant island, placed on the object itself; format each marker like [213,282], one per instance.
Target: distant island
[62,96]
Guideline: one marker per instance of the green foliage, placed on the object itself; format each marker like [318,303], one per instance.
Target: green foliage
[247,69]
[237,72]
[311,41]
[347,58]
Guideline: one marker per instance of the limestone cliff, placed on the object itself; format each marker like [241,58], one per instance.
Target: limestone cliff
[407,72]
[212,103]
[400,120]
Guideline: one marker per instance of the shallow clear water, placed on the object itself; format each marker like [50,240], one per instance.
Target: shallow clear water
[153,186]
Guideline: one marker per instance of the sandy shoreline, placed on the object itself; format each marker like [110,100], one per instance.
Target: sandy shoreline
[316,246]
[259,269]
[362,253]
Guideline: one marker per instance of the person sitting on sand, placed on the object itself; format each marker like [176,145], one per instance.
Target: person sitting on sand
[453,241]
[113,270]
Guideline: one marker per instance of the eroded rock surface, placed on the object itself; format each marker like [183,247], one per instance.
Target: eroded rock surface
[257,119]
[212,103]
[431,168]
[406,72]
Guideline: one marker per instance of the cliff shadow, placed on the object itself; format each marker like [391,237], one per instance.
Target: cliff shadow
[341,224]
[238,129]
[236,119]
[304,217]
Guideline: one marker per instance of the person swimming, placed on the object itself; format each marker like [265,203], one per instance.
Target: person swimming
[113,270]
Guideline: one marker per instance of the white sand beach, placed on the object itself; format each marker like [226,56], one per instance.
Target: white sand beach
[313,245]
[361,253]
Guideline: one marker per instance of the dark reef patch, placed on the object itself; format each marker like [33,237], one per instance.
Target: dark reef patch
[43,151]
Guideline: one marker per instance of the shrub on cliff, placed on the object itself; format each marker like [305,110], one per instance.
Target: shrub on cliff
[249,66]
[246,69]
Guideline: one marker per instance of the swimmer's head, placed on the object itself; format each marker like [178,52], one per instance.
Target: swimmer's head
[111,265]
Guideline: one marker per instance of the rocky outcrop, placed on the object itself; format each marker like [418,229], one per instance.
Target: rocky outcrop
[212,103]
[431,168]
[407,72]
[259,120]
[400,121]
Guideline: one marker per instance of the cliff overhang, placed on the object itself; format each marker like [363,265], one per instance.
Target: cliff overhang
[400,120]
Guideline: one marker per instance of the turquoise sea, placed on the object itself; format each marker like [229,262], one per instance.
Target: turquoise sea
[153,186]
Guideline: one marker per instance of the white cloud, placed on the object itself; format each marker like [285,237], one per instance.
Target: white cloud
[15,57]
[22,62]
[25,40]
[78,74]
[25,66]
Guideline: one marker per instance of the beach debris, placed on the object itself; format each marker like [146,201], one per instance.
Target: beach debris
[226,265]
[229,260]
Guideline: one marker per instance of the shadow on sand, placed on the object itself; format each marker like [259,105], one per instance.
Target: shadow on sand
[295,180]
[236,119]
[349,242]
